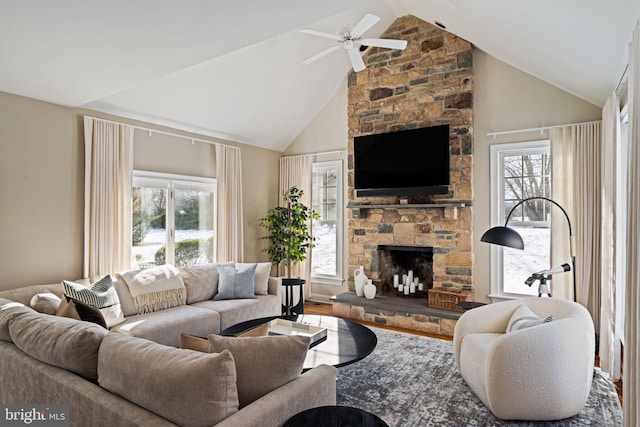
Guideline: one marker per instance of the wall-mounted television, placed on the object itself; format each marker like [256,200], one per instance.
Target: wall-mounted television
[402,163]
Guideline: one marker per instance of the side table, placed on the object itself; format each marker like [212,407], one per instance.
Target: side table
[289,309]
[335,416]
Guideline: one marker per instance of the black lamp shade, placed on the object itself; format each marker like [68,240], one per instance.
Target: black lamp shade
[503,236]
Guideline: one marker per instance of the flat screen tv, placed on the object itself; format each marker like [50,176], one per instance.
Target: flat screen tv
[403,163]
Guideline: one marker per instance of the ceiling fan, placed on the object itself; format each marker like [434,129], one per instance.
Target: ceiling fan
[352,40]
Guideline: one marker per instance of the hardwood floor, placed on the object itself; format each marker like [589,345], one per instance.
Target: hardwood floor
[327,310]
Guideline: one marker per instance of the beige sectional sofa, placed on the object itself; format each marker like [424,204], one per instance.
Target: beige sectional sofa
[49,359]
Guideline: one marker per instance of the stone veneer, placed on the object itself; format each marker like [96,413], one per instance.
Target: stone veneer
[429,83]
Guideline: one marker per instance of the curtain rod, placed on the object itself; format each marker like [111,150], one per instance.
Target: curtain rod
[150,130]
[541,129]
[319,153]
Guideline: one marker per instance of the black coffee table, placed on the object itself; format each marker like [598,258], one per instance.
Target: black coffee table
[346,342]
[335,416]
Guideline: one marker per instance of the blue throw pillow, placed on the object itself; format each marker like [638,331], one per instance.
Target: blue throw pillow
[235,284]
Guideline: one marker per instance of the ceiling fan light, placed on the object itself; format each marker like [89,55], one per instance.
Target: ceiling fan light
[348,44]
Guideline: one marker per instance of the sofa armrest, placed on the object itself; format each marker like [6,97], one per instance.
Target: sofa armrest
[275,286]
[314,388]
[490,318]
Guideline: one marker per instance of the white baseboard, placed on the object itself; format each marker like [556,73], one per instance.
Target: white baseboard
[325,299]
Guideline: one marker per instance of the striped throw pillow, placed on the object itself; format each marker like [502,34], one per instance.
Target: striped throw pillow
[101,295]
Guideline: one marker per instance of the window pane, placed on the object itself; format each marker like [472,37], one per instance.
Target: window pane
[324,260]
[194,227]
[518,265]
[149,234]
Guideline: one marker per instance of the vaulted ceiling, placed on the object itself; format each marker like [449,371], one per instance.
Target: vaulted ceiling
[233,69]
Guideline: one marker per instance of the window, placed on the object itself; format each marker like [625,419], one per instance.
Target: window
[173,220]
[326,194]
[518,171]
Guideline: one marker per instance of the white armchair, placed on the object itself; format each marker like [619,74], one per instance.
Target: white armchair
[540,373]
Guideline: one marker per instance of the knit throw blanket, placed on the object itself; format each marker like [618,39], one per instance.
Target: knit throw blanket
[155,288]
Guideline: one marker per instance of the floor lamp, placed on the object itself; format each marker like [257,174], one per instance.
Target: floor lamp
[505,236]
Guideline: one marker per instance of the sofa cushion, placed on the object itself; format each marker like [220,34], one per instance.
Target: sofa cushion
[101,295]
[263,363]
[8,310]
[59,341]
[261,278]
[201,282]
[523,318]
[165,326]
[186,387]
[45,302]
[234,311]
[234,284]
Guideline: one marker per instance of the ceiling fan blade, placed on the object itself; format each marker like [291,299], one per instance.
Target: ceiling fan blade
[320,34]
[386,43]
[365,23]
[356,60]
[320,55]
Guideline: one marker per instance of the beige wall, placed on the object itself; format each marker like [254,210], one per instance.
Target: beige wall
[508,99]
[41,186]
[504,99]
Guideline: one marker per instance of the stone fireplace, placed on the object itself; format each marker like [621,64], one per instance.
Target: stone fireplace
[430,83]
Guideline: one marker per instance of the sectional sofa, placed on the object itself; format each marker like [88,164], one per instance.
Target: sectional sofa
[134,374]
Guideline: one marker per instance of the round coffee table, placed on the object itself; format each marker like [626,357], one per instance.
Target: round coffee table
[335,416]
[346,342]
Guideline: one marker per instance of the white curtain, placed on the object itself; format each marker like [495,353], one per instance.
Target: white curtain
[576,163]
[230,240]
[107,197]
[609,313]
[296,171]
[631,374]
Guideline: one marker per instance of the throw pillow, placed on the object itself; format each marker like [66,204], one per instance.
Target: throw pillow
[45,302]
[261,278]
[234,284]
[523,318]
[101,295]
[201,282]
[263,363]
[152,375]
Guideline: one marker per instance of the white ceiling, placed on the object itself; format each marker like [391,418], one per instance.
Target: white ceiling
[233,69]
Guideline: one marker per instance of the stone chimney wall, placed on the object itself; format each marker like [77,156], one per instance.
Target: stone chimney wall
[429,83]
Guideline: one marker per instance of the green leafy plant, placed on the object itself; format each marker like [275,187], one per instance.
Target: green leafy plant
[289,237]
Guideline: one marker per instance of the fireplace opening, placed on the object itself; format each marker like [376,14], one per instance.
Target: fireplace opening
[400,260]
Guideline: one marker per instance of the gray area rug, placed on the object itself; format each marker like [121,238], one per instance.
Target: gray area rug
[410,380]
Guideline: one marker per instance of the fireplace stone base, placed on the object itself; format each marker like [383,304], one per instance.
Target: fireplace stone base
[407,313]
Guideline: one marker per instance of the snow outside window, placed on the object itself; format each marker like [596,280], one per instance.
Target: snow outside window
[326,194]
[173,220]
[518,171]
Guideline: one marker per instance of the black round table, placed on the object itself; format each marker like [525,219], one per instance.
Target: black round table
[346,342]
[326,416]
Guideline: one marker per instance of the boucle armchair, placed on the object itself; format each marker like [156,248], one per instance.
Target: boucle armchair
[542,372]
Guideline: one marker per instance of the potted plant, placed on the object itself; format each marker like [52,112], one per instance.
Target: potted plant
[289,237]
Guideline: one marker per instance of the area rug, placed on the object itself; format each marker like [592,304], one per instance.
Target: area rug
[410,380]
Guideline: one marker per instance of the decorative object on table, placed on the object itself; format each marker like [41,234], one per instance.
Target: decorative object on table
[421,386]
[448,299]
[506,236]
[370,290]
[359,280]
[289,234]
